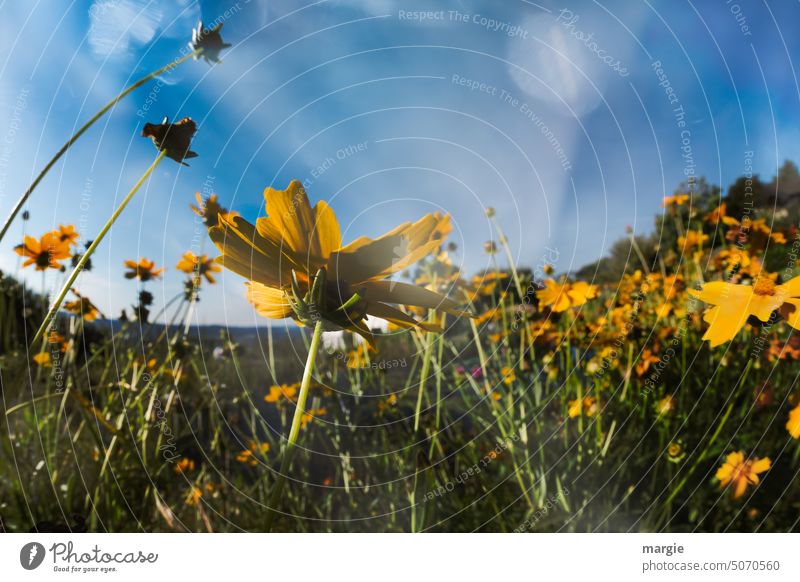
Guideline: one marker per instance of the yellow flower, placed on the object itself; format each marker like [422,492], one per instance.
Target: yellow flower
[645,361]
[676,200]
[733,304]
[665,406]
[508,375]
[741,473]
[793,424]
[144,270]
[46,252]
[195,495]
[692,238]
[67,233]
[248,455]
[284,391]
[718,214]
[561,296]
[309,415]
[210,209]
[588,406]
[491,313]
[297,267]
[358,358]
[56,339]
[42,359]
[198,267]
[390,401]
[184,465]
[663,311]
[82,306]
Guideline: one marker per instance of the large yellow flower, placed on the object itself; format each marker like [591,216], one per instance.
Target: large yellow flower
[733,304]
[297,267]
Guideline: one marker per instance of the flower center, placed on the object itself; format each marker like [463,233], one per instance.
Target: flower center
[764,287]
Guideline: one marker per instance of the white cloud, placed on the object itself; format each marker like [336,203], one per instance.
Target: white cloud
[555,68]
[118,27]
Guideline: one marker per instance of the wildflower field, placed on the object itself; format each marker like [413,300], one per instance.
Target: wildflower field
[526,401]
[390,390]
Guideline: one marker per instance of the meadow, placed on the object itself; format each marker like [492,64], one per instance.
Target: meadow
[550,403]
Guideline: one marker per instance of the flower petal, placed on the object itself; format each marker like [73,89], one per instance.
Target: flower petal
[290,222]
[405,294]
[397,317]
[268,301]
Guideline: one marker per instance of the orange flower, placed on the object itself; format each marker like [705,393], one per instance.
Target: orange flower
[588,406]
[508,375]
[562,296]
[676,200]
[284,391]
[68,233]
[741,473]
[645,361]
[198,267]
[309,415]
[184,465]
[42,359]
[717,215]
[793,424]
[692,238]
[210,210]
[46,252]
[248,455]
[82,306]
[144,270]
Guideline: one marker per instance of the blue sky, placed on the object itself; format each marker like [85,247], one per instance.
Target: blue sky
[555,113]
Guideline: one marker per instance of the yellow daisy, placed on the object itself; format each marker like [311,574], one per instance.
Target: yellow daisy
[297,266]
[733,304]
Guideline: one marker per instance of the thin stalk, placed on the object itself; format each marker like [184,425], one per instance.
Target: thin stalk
[510,258]
[423,376]
[294,431]
[24,198]
[90,251]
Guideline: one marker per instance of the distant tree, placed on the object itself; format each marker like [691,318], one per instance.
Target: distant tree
[745,195]
[786,185]
[621,259]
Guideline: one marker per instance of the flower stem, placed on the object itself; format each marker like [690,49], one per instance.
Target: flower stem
[90,251]
[510,257]
[24,198]
[295,430]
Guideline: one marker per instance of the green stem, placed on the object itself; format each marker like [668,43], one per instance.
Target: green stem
[90,251]
[426,366]
[510,258]
[24,198]
[295,430]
